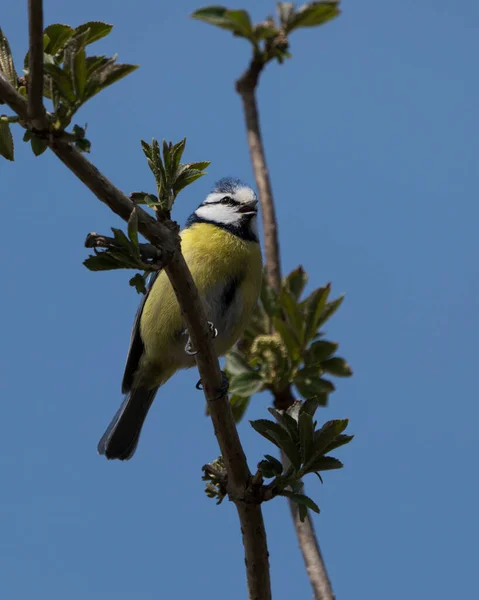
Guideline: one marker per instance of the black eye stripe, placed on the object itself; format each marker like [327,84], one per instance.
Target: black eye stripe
[226,200]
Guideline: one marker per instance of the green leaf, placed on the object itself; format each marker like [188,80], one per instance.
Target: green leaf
[121,239]
[269,300]
[6,141]
[105,261]
[239,404]
[263,426]
[242,21]
[138,282]
[338,441]
[306,430]
[309,406]
[288,338]
[263,31]
[313,308]
[133,230]
[61,81]
[187,178]
[337,366]
[278,435]
[80,72]
[319,351]
[330,309]
[200,166]
[6,62]
[143,198]
[327,434]
[167,156]
[39,145]
[313,14]
[237,21]
[106,74]
[147,151]
[295,282]
[58,35]
[177,153]
[287,422]
[95,62]
[275,462]
[236,363]
[270,467]
[303,512]
[246,384]
[97,30]
[293,313]
[310,384]
[301,499]
[325,463]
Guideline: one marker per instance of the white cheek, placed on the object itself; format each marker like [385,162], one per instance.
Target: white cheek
[218,213]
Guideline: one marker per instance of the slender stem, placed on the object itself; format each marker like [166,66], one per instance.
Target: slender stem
[246,87]
[166,239]
[36,111]
[313,559]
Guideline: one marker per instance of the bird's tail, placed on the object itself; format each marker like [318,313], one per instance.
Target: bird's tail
[122,434]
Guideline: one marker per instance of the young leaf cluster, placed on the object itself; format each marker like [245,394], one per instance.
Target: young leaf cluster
[71,77]
[123,253]
[170,174]
[283,345]
[215,476]
[306,447]
[270,38]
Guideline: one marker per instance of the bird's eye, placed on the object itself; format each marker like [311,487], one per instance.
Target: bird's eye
[226,200]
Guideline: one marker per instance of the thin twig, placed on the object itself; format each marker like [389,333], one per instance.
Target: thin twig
[313,559]
[36,111]
[165,238]
[246,87]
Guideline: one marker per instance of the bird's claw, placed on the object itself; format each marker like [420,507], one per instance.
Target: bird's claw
[212,328]
[225,384]
[189,345]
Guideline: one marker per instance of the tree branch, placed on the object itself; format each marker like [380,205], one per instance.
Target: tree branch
[313,559]
[167,240]
[36,111]
[246,88]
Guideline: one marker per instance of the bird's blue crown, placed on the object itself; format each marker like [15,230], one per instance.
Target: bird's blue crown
[227,185]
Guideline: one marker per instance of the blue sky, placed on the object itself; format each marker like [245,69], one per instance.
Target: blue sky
[371,136]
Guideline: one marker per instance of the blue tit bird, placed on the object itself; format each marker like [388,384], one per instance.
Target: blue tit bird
[221,248]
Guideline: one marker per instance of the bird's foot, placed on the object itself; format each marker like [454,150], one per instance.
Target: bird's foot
[225,384]
[189,345]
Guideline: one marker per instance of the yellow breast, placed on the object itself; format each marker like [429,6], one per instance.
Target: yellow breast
[214,256]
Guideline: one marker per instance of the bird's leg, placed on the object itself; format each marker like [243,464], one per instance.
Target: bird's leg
[225,384]
[189,346]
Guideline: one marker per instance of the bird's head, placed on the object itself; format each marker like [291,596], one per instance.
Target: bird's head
[231,204]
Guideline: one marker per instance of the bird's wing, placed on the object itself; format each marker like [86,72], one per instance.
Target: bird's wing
[137,346]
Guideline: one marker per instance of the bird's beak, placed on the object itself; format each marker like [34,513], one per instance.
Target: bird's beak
[248,208]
